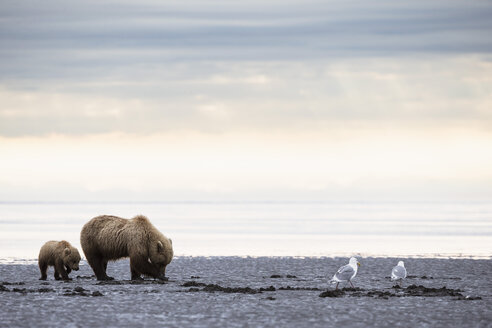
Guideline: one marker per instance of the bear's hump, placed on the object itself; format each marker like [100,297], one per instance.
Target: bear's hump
[64,244]
[141,219]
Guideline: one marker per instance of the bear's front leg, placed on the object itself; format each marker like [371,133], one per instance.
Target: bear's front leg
[134,270]
[56,274]
[136,275]
[60,268]
[68,269]
[139,263]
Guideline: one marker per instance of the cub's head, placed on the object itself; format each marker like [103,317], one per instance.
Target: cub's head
[161,254]
[71,258]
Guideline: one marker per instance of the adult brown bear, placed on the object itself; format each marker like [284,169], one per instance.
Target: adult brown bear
[108,238]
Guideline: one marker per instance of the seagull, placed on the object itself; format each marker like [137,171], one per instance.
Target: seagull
[399,272]
[346,272]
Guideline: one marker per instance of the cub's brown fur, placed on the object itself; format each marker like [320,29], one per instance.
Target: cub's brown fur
[60,254]
[108,238]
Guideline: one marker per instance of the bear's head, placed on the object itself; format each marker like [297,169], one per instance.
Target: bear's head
[161,254]
[71,258]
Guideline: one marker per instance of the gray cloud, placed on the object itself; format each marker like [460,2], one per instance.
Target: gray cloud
[94,67]
[33,37]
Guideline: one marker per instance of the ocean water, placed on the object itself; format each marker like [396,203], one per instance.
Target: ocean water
[268,229]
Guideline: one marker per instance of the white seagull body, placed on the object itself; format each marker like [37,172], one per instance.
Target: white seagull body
[399,272]
[346,273]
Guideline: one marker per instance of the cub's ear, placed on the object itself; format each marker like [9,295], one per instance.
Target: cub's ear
[160,247]
[171,241]
[67,251]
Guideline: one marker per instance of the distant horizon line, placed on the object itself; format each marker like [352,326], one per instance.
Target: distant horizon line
[47,202]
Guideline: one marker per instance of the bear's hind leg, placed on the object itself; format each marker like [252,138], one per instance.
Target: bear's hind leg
[43,267]
[99,266]
[105,267]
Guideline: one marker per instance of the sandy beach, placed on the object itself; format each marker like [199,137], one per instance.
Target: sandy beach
[253,292]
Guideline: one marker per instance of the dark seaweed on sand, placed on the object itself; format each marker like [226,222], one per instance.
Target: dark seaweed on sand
[211,288]
[243,290]
[414,290]
[298,288]
[26,290]
[332,293]
[79,291]
[410,291]
[193,284]
[276,276]
[132,282]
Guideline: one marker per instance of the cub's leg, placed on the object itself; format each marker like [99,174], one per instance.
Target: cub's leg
[43,267]
[57,274]
[61,270]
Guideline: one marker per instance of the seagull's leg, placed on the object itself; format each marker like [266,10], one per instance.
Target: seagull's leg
[351,284]
[336,288]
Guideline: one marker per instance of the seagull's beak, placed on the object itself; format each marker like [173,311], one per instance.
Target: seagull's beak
[358,263]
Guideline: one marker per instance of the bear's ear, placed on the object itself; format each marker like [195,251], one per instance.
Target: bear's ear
[171,241]
[160,247]
[67,251]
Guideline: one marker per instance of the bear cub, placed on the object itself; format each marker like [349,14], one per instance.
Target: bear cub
[61,255]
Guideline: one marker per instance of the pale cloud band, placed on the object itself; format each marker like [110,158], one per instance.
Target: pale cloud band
[434,93]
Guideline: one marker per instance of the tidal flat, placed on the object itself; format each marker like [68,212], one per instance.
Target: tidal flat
[253,292]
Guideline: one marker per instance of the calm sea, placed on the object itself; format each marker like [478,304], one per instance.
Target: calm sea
[268,229]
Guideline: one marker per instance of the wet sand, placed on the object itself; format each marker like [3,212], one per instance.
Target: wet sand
[265,291]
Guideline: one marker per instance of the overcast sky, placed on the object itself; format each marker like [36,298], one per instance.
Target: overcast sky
[283,100]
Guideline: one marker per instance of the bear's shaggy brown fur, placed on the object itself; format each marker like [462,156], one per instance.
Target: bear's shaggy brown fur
[108,238]
[60,254]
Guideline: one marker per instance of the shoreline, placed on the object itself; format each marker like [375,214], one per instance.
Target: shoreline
[29,261]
